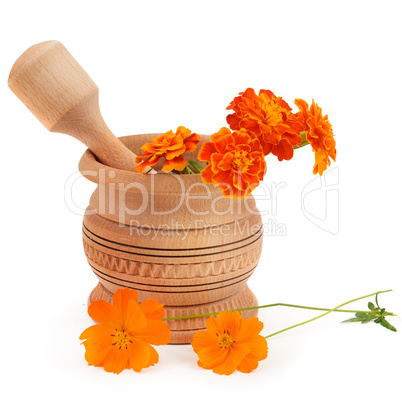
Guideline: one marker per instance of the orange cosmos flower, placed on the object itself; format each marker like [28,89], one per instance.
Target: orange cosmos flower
[125,331]
[230,343]
[270,118]
[170,146]
[318,133]
[236,162]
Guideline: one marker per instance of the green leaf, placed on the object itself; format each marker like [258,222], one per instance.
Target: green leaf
[196,166]
[387,325]
[377,320]
[371,306]
[354,319]
[366,321]
[362,316]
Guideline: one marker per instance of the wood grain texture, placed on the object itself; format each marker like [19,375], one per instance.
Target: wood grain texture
[161,269]
[139,200]
[192,258]
[64,98]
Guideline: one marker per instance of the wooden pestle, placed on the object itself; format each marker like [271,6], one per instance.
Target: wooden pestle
[57,90]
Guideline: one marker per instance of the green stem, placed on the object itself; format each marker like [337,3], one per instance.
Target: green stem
[328,312]
[303,140]
[271,305]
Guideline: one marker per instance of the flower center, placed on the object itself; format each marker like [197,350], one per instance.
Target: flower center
[121,339]
[241,160]
[225,341]
[273,114]
[165,142]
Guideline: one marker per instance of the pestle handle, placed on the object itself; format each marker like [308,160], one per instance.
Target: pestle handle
[63,97]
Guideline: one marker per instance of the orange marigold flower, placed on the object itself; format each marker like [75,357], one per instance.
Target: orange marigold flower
[318,133]
[170,146]
[270,118]
[230,343]
[236,162]
[125,331]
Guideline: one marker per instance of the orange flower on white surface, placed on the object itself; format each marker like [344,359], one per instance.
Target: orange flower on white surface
[125,332]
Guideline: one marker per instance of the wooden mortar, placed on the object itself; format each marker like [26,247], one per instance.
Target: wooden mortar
[170,237]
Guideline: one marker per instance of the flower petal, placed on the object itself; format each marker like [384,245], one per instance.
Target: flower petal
[136,358]
[96,331]
[252,180]
[249,93]
[222,142]
[215,160]
[233,192]
[250,124]
[236,354]
[255,145]
[257,166]
[250,328]
[145,155]
[154,357]
[149,162]
[149,148]
[230,320]
[320,164]
[223,178]
[226,320]
[221,133]
[155,332]
[174,153]
[135,320]
[303,106]
[192,142]
[138,355]
[206,175]
[106,314]
[120,300]
[211,356]
[267,92]
[233,120]
[179,163]
[258,347]
[248,364]
[97,344]
[203,339]
[116,360]
[229,343]
[284,150]
[242,137]
[227,162]
[239,182]
[152,309]
[207,149]
[167,137]
[170,146]
[183,131]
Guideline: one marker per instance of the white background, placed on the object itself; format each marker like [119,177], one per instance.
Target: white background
[161,64]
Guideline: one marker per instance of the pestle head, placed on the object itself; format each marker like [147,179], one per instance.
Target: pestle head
[50,82]
[63,97]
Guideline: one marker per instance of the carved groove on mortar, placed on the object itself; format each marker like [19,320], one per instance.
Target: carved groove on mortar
[172,271]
